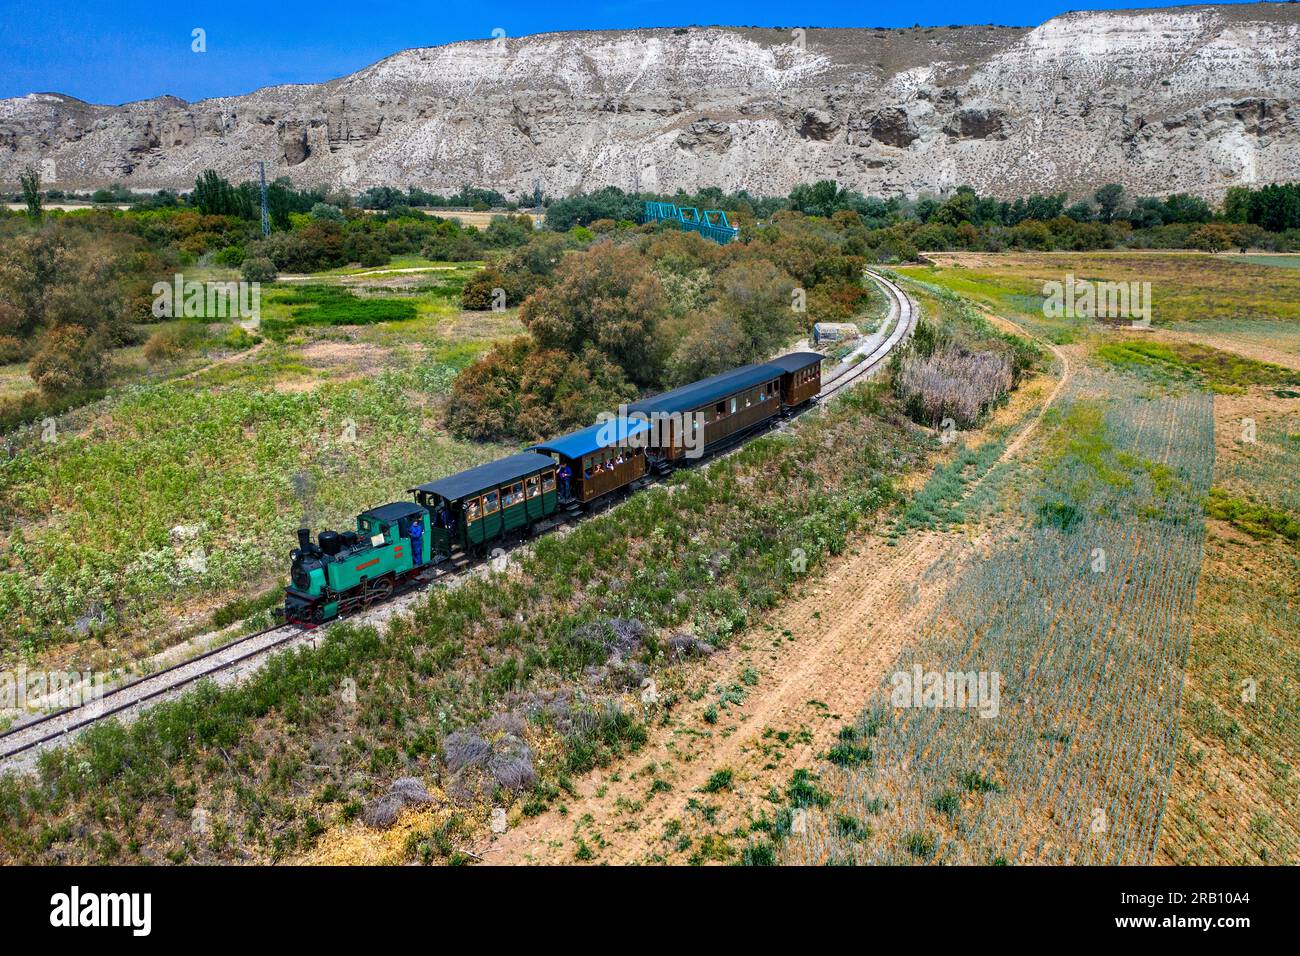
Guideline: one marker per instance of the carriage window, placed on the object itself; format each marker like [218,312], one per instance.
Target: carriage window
[491,502]
[534,486]
[517,492]
[733,406]
[471,510]
[548,481]
[721,408]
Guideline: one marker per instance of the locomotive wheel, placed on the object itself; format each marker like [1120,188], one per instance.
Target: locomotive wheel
[378,591]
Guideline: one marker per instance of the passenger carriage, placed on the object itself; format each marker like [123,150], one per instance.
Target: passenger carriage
[731,404]
[603,458]
[472,509]
[724,406]
[801,377]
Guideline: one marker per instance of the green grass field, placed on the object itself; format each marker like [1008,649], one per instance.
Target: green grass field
[194,472]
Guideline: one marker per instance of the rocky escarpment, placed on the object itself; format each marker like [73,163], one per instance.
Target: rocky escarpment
[1192,99]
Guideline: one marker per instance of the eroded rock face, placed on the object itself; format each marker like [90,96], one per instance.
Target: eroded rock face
[978,123]
[705,136]
[1192,99]
[819,125]
[893,126]
[293,143]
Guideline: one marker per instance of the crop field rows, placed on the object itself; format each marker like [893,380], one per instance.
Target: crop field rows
[1089,646]
[1235,785]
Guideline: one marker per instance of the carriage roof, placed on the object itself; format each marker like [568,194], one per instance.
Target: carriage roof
[484,477]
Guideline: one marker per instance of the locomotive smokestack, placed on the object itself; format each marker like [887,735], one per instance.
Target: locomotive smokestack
[304,540]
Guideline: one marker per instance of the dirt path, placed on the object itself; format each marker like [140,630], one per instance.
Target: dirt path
[230,359]
[772,703]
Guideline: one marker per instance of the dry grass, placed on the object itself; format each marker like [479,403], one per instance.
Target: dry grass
[1185,287]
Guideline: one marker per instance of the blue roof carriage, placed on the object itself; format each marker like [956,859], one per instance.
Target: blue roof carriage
[614,433]
[486,477]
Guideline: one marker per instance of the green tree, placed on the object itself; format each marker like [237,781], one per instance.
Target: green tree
[751,317]
[822,198]
[30,181]
[957,208]
[1236,204]
[214,196]
[1110,200]
[522,392]
[608,299]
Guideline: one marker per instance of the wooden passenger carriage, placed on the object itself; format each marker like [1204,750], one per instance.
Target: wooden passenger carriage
[801,377]
[732,403]
[602,458]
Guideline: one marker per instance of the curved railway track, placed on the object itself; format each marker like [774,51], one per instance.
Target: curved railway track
[901,321]
[58,726]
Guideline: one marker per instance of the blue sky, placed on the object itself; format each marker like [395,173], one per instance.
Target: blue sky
[120,51]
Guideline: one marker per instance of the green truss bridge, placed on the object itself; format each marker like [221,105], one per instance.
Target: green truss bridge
[709,223]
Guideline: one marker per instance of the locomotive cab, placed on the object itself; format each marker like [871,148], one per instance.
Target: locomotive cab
[344,570]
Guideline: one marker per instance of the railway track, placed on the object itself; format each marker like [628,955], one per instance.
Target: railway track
[901,321]
[58,724]
[23,741]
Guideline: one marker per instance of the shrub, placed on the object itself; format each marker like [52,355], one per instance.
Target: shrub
[232,256]
[260,269]
[520,391]
[69,359]
[11,349]
[952,383]
[323,210]
[171,343]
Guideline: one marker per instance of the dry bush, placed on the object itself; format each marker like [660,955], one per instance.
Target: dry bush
[381,812]
[511,763]
[682,646]
[169,344]
[69,359]
[464,749]
[952,383]
[411,791]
